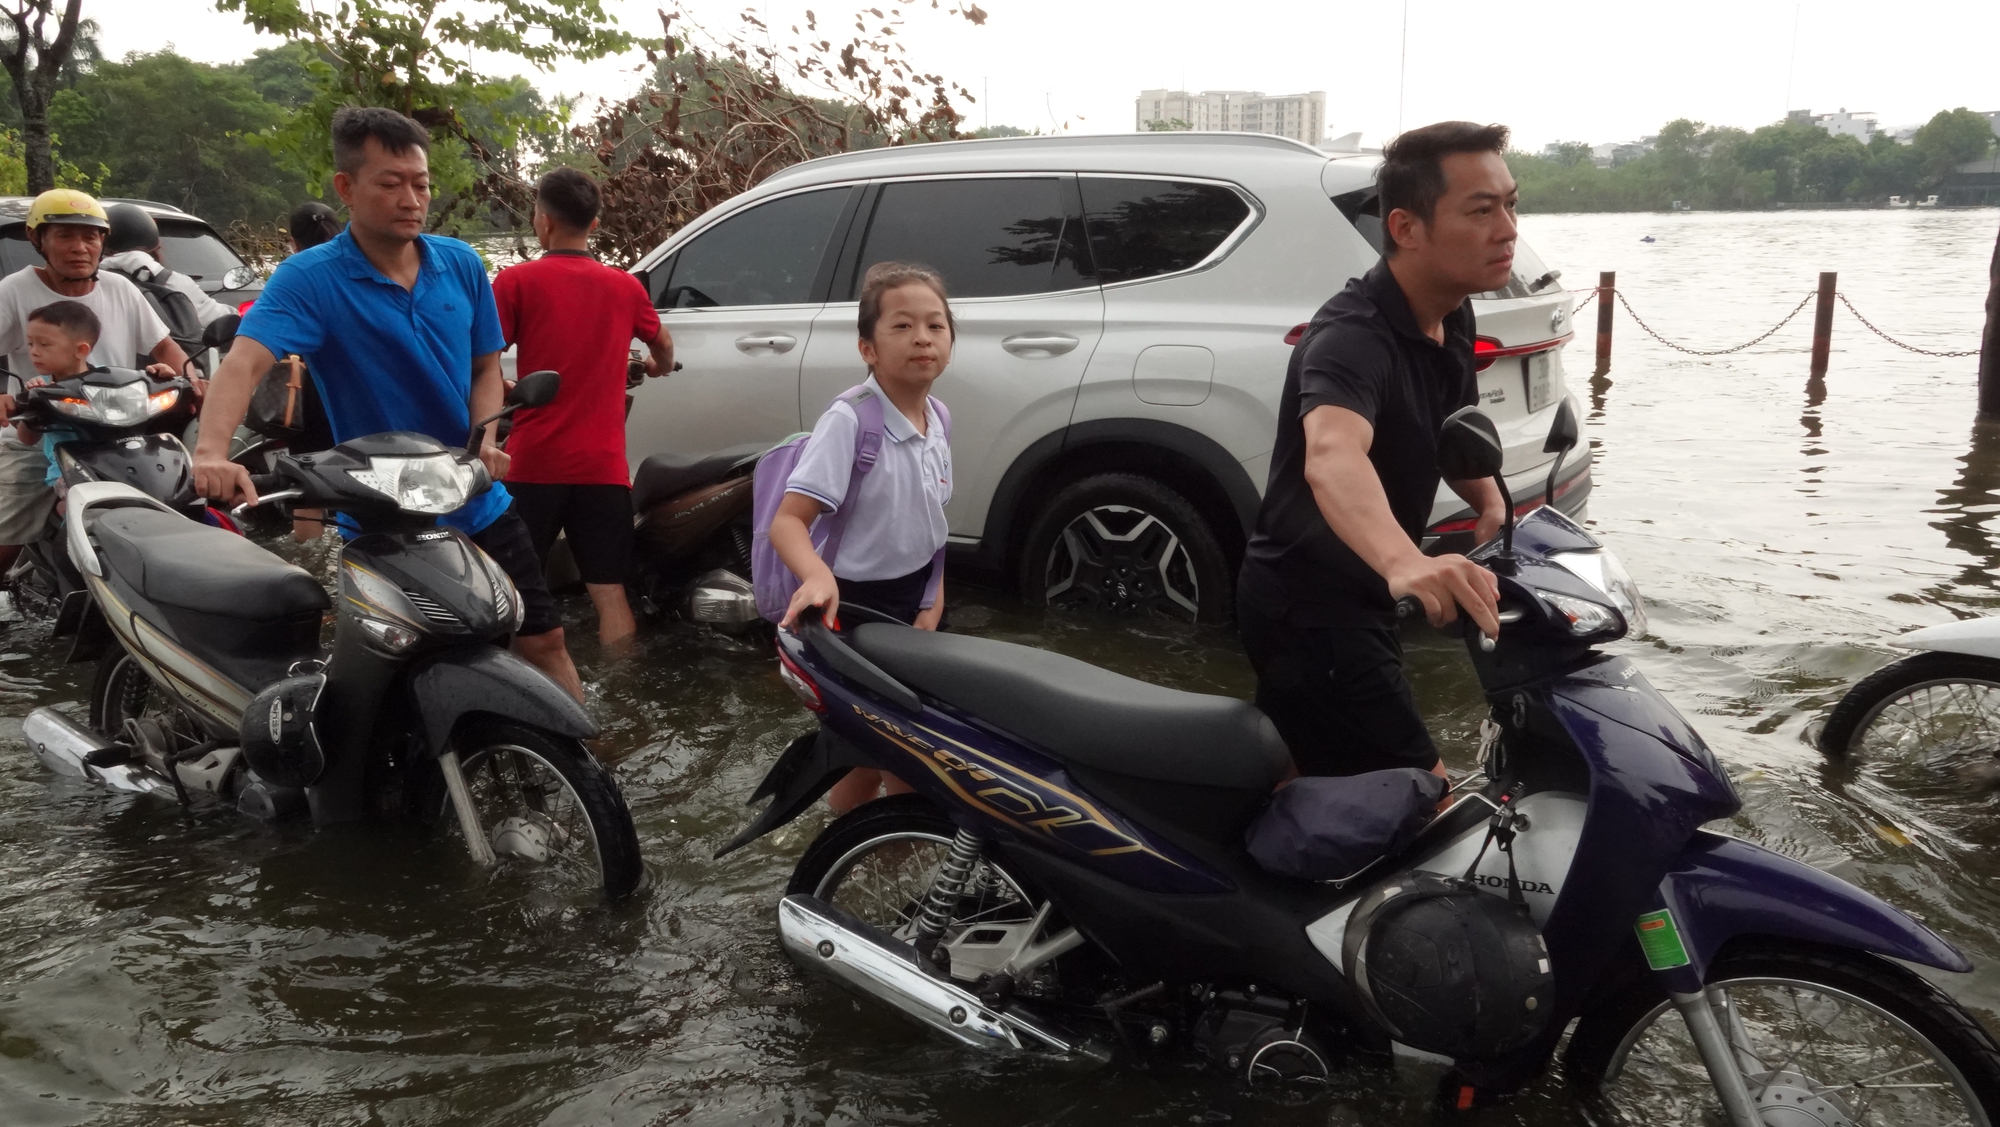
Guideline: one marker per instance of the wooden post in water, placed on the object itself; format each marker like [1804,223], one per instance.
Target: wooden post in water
[1989,341]
[1607,285]
[1823,323]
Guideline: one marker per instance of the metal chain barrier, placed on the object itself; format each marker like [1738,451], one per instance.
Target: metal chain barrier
[1893,340]
[1803,302]
[1578,307]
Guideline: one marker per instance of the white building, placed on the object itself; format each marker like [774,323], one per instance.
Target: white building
[1302,117]
[1859,125]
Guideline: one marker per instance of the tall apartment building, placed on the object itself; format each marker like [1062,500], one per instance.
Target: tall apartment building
[1302,117]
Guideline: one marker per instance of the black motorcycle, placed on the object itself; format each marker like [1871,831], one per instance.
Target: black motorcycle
[212,680]
[125,421]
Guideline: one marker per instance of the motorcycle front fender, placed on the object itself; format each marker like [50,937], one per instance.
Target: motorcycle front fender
[808,769]
[454,683]
[1721,889]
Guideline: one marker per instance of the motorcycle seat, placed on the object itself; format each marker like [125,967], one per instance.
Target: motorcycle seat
[176,562]
[1084,715]
[665,475]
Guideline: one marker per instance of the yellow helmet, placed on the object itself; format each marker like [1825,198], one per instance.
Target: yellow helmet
[67,205]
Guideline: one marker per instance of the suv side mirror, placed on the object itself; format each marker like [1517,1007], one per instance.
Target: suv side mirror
[536,389]
[1469,446]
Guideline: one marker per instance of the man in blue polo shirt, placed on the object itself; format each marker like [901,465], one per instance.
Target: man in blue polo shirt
[400,332]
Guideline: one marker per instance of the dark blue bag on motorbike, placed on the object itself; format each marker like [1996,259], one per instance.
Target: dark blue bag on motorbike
[1329,827]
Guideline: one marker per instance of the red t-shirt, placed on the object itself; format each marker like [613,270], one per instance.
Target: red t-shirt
[568,312]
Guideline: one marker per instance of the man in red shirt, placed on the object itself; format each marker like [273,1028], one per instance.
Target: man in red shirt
[568,312]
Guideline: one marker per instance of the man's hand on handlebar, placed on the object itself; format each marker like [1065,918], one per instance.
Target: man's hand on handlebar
[1443,584]
[222,480]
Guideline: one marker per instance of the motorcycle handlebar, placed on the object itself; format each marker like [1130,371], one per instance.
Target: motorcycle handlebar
[266,483]
[1409,606]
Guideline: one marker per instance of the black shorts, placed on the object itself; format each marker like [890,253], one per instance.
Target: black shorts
[900,598]
[507,541]
[597,519]
[1336,694]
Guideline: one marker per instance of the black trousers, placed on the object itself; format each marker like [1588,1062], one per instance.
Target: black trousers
[1337,694]
[899,598]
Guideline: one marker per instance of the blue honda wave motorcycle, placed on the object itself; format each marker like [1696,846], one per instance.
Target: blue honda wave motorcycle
[1071,876]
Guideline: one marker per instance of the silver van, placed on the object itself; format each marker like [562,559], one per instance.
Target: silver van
[1126,307]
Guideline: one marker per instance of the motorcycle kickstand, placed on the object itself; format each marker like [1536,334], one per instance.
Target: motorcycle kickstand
[468,814]
[1719,1057]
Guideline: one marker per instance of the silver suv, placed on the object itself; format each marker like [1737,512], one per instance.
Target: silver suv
[1126,306]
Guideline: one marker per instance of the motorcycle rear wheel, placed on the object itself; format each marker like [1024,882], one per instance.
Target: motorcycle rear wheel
[122,690]
[878,860]
[546,800]
[1838,1037]
[1929,709]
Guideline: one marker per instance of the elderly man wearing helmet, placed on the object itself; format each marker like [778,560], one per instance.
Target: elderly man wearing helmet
[67,228]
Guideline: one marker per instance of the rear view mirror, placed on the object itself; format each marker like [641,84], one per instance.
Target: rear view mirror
[221,332]
[535,389]
[1563,438]
[1469,446]
[1562,433]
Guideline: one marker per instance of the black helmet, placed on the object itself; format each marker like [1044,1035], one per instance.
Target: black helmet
[131,229]
[1447,968]
[279,732]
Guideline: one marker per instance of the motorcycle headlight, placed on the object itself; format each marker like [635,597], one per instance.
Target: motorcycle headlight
[424,483]
[1602,570]
[122,406]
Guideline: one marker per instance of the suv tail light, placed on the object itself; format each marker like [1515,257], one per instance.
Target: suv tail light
[1485,350]
[801,684]
[1298,332]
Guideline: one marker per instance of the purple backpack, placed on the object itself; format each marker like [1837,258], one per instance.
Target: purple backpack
[773,581]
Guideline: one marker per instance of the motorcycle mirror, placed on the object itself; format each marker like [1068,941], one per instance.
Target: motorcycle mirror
[1562,439]
[220,332]
[1469,446]
[1563,432]
[536,389]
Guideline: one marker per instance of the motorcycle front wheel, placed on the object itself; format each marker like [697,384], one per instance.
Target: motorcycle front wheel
[1929,709]
[1824,1036]
[545,801]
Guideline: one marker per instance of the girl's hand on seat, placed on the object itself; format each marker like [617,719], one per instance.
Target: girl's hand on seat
[819,590]
[929,617]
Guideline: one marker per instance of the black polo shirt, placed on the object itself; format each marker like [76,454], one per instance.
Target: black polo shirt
[1362,351]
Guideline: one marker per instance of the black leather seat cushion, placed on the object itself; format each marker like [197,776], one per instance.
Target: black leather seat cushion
[174,561]
[663,475]
[1082,714]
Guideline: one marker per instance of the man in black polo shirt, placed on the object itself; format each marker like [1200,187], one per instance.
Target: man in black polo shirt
[1354,468]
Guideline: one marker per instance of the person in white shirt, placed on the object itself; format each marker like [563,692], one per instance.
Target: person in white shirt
[67,228]
[133,249]
[889,557]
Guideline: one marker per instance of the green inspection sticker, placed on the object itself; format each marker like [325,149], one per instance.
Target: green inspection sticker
[1661,941]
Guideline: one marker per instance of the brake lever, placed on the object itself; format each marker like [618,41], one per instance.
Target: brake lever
[240,511]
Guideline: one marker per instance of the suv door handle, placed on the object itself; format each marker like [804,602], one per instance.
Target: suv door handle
[1038,346]
[776,342]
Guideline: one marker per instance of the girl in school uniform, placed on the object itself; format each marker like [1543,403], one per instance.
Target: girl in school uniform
[895,526]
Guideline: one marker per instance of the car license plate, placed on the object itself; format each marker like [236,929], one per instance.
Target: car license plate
[1541,378]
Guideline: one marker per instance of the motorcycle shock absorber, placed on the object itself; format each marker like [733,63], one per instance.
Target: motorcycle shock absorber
[942,901]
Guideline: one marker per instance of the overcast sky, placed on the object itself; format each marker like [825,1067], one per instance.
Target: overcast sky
[1554,71]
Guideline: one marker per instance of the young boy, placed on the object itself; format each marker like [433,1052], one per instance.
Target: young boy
[60,337]
[568,312]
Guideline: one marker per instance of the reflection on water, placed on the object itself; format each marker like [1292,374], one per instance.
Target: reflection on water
[156,966]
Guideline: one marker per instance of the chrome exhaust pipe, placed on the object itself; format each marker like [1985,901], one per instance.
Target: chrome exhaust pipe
[65,748]
[831,942]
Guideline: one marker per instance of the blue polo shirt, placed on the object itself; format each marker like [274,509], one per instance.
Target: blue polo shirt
[386,358]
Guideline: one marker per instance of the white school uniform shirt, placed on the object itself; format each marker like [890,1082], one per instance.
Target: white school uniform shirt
[897,523]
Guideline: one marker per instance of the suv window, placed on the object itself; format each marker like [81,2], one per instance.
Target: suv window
[767,255]
[1145,228]
[988,237]
[198,253]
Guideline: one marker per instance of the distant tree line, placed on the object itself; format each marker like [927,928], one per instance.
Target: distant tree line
[1712,167]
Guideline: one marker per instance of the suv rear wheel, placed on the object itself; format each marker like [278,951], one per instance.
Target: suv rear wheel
[1125,544]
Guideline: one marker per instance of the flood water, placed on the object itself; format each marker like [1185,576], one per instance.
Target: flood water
[157,967]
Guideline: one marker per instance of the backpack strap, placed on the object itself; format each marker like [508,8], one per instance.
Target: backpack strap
[867,407]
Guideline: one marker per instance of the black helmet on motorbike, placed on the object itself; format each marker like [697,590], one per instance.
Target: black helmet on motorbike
[280,734]
[131,229]
[1447,968]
